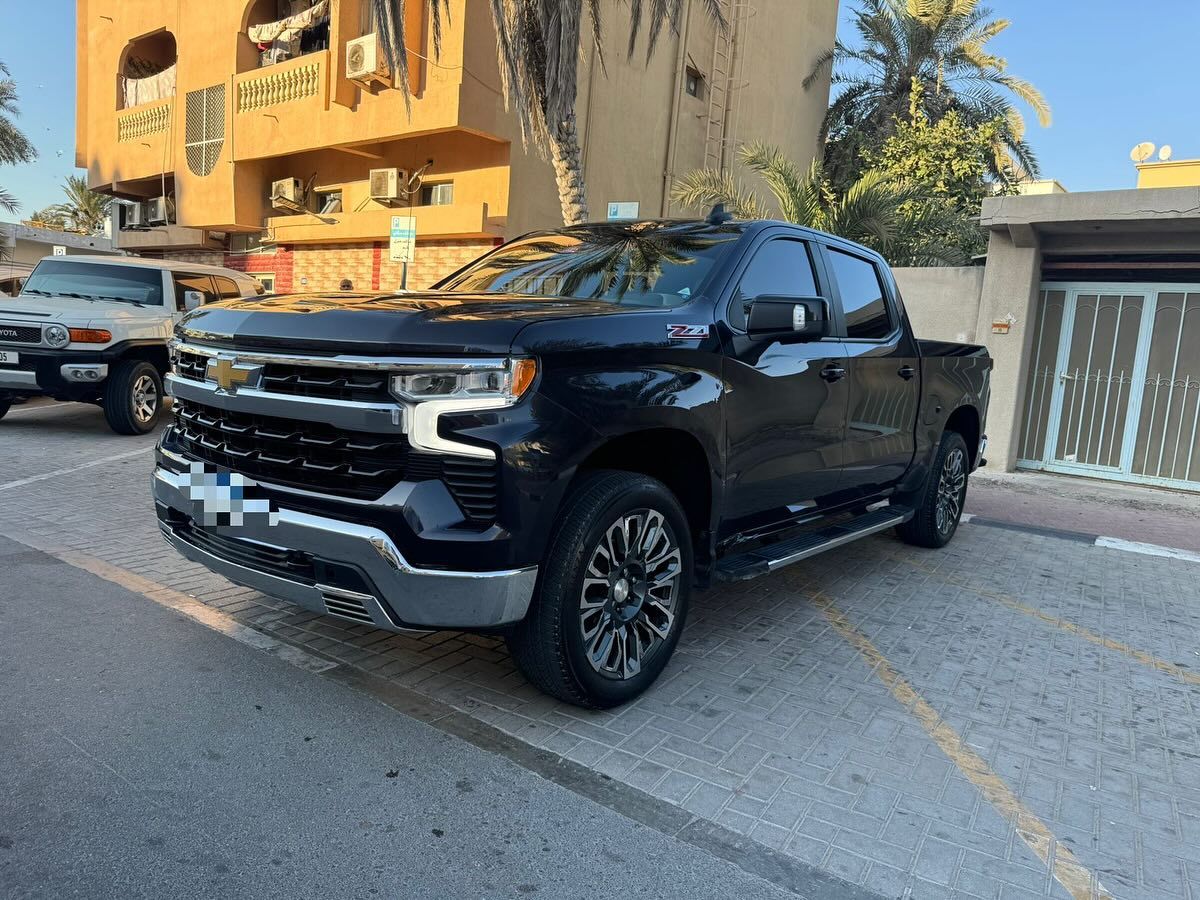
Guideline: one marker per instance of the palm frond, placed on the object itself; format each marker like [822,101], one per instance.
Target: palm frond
[703,189]
[8,202]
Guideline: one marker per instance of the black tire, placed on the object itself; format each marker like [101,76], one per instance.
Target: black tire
[5,406]
[549,645]
[129,406]
[938,513]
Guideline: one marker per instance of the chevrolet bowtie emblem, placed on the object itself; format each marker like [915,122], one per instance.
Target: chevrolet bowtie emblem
[229,374]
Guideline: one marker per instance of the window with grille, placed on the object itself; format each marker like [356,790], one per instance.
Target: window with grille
[204,129]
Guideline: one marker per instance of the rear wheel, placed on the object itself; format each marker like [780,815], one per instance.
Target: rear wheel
[940,507]
[613,594]
[133,397]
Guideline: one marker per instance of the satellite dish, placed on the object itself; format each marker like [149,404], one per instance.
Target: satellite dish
[1165,153]
[1142,152]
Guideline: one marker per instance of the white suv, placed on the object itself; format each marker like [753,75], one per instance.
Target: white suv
[95,329]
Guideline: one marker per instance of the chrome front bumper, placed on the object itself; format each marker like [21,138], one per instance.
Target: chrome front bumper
[402,598]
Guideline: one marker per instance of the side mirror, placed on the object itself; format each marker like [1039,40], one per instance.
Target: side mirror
[192,300]
[797,318]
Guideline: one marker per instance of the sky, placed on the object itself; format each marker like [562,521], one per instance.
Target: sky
[1116,73]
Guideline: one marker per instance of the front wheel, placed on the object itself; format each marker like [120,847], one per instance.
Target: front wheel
[940,507]
[5,405]
[133,397]
[613,594]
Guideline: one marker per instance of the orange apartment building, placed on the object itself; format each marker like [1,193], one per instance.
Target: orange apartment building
[246,132]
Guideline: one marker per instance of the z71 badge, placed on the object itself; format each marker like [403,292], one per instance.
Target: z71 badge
[687,332]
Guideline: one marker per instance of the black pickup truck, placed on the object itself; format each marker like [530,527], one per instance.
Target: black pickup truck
[559,441]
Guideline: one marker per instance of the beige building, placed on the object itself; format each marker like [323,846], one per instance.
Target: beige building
[1090,305]
[246,132]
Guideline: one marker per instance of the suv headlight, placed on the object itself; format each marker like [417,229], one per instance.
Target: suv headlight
[57,336]
[506,382]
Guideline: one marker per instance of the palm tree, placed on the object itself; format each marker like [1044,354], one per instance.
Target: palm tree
[537,45]
[14,146]
[84,211]
[942,44]
[890,217]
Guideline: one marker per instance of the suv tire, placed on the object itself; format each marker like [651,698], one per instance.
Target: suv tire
[941,501]
[133,397]
[608,611]
[5,406]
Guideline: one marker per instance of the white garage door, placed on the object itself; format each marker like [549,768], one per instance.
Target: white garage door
[1114,383]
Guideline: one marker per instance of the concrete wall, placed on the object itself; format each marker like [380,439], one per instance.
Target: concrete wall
[943,303]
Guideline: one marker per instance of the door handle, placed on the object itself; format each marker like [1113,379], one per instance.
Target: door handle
[833,372]
[907,372]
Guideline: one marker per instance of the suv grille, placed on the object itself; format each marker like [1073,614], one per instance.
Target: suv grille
[304,381]
[21,334]
[318,457]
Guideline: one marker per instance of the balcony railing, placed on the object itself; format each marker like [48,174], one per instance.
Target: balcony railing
[283,83]
[141,121]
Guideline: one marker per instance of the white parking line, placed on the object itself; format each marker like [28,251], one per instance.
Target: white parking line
[46,407]
[1113,543]
[33,479]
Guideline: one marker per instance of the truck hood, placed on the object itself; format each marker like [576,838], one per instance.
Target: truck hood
[370,325]
[73,310]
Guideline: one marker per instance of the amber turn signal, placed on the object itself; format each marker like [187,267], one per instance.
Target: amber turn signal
[523,373]
[90,335]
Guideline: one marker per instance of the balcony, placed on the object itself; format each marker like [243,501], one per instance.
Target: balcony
[142,121]
[285,84]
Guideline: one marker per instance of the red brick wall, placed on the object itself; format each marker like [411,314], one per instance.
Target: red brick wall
[280,263]
[321,267]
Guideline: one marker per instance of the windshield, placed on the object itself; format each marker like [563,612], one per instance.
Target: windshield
[95,281]
[634,264]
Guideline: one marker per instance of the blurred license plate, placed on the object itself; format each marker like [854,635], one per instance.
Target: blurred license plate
[8,358]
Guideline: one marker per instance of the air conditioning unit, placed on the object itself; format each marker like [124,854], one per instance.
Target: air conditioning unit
[158,211]
[365,62]
[288,194]
[132,215]
[389,184]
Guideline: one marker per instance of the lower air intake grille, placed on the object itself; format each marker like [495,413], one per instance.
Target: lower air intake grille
[346,605]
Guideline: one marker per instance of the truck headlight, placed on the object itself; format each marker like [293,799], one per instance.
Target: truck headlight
[505,382]
[431,392]
[57,336]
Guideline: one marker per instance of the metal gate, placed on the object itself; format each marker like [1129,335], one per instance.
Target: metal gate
[1114,383]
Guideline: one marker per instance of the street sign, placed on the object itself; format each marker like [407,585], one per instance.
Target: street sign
[60,250]
[403,239]
[624,211]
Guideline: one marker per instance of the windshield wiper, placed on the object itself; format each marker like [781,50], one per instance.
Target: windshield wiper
[39,293]
[78,296]
[121,300]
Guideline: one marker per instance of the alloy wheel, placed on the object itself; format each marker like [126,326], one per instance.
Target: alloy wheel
[952,485]
[145,399]
[628,602]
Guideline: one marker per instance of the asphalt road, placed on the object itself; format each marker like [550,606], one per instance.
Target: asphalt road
[143,755]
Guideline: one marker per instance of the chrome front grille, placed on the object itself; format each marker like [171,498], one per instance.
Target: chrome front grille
[292,379]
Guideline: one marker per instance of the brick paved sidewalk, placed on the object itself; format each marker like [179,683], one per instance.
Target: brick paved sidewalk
[888,714]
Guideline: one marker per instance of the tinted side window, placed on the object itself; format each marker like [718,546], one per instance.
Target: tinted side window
[779,267]
[201,283]
[227,287]
[867,314]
